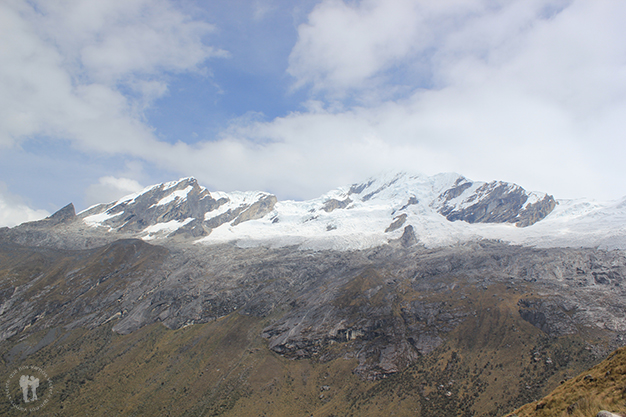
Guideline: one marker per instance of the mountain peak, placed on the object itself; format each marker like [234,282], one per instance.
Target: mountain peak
[183,182]
[63,215]
[181,207]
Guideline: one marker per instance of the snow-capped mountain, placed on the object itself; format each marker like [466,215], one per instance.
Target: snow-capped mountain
[366,214]
[177,208]
[433,211]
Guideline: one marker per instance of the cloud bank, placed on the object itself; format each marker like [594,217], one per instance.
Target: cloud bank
[84,71]
[526,91]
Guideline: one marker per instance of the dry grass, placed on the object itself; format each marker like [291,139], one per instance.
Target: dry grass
[601,388]
[589,406]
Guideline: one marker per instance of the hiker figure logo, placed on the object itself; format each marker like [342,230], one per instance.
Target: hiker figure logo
[28,388]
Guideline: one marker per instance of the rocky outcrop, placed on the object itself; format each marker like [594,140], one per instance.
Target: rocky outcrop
[257,209]
[535,212]
[604,413]
[494,202]
[334,204]
[408,237]
[548,315]
[64,215]
[160,204]
[397,223]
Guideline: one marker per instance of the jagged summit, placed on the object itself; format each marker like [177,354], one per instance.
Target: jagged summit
[66,214]
[180,207]
[457,198]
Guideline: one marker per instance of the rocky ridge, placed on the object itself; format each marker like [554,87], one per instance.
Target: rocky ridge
[177,208]
[494,202]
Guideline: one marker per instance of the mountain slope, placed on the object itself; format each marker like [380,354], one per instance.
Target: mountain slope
[601,388]
[407,328]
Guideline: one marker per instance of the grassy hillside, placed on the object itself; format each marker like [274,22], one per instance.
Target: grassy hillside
[601,388]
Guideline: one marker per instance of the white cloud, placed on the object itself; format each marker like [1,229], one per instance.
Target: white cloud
[262,8]
[526,92]
[68,66]
[13,211]
[112,40]
[342,45]
[348,46]
[110,189]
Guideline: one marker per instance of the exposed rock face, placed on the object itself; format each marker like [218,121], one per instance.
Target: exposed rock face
[257,210]
[412,201]
[361,315]
[393,309]
[334,204]
[389,330]
[162,204]
[548,315]
[397,223]
[494,202]
[368,298]
[65,215]
[71,288]
[408,237]
[536,211]
[170,202]
[386,307]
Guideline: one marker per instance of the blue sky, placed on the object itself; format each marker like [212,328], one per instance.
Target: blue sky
[100,98]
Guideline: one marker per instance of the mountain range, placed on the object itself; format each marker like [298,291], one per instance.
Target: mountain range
[403,295]
[435,211]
